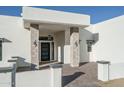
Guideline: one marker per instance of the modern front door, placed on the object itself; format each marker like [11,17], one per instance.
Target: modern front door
[45,51]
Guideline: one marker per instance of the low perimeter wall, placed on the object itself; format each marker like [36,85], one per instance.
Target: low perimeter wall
[116,70]
[38,78]
[109,71]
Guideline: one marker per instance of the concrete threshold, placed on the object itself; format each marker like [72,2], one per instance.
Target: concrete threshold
[48,63]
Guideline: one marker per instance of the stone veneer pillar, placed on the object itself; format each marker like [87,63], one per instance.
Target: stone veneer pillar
[34,28]
[74,43]
[67,36]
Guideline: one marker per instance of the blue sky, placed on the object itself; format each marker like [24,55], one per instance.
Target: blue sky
[97,13]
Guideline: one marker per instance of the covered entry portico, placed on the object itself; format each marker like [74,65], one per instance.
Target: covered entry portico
[61,46]
[55,36]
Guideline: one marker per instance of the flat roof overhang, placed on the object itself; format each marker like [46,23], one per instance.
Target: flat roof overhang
[38,15]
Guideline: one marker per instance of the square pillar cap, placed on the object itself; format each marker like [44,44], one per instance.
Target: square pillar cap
[103,62]
[6,66]
[55,65]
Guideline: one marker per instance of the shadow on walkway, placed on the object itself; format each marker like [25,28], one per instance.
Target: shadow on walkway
[83,63]
[69,78]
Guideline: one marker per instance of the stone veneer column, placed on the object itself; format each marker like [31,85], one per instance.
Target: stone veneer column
[34,28]
[74,42]
[67,36]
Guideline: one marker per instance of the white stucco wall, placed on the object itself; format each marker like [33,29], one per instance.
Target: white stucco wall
[85,34]
[11,28]
[38,78]
[52,16]
[116,70]
[51,77]
[110,46]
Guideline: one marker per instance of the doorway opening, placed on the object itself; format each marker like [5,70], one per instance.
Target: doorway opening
[46,50]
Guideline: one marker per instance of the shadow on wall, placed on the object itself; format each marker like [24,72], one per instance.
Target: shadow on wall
[69,78]
[20,61]
[85,36]
[5,40]
[96,37]
[23,65]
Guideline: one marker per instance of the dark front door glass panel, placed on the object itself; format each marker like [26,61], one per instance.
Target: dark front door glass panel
[0,50]
[45,51]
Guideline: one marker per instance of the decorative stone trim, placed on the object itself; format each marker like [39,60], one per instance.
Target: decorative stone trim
[67,36]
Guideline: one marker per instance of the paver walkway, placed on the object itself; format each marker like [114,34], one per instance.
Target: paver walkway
[83,76]
[114,83]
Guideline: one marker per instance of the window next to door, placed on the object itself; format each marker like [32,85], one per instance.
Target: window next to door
[0,50]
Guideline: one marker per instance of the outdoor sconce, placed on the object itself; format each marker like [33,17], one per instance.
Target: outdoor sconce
[89,45]
[49,37]
[35,43]
[76,43]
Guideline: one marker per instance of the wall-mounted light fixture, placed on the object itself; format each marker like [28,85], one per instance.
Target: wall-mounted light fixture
[76,43]
[89,45]
[35,43]
[50,37]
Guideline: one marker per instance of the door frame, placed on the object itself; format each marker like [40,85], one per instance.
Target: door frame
[45,41]
[47,46]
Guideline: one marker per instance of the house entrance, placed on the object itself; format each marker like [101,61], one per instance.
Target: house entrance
[45,51]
